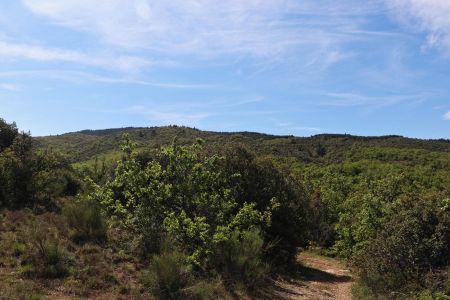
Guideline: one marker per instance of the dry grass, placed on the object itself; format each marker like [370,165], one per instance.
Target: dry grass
[104,271]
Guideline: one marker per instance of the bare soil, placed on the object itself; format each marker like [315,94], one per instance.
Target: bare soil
[316,277]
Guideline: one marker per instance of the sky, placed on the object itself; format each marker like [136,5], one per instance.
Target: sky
[295,67]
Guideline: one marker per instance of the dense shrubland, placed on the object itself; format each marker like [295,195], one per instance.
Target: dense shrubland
[186,219]
[389,217]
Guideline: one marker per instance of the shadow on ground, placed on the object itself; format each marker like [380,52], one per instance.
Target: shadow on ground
[299,276]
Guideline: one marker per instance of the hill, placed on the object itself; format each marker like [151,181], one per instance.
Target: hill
[202,222]
[87,144]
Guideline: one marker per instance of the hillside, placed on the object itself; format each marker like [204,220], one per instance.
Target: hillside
[229,218]
[88,144]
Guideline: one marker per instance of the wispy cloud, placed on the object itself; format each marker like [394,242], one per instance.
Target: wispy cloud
[208,28]
[168,85]
[9,87]
[16,51]
[79,77]
[302,128]
[447,116]
[236,101]
[355,99]
[167,115]
[429,16]
[291,127]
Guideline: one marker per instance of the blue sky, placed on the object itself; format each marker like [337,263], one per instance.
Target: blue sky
[276,66]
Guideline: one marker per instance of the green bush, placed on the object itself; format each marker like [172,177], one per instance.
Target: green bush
[207,290]
[181,195]
[30,178]
[18,248]
[168,275]
[258,181]
[411,249]
[86,218]
[240,258]
[8,133]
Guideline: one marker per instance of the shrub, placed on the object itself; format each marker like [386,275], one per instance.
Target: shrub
[53,255]
[46,257]
[30,178]
[180,195]
[168,275]
[412,243]
[206,290]
[8,133]
[259,181]
[86,218]
[239,258]
[18,248]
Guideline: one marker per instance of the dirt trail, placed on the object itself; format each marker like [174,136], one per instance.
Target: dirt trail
[318,278]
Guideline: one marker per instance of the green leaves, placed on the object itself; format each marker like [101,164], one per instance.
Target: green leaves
[180,195]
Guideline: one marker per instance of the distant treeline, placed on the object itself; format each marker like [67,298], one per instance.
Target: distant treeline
[85,145]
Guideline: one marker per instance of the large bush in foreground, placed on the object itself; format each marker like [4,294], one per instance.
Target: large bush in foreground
[182,196]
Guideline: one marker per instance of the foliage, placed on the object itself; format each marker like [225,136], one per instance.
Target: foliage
[414,241]
[46,256]
[16,173]
[86,218]
[87,145]
[258,181]
[30,178]
[207,289]
[168,275]
[8,132]
[227,212]
[180,195]
[361,214]
[240,258]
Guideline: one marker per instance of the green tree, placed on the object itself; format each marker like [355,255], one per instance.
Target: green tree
[8,133]
[181,196]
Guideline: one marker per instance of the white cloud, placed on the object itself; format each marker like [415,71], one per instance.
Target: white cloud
[15,51]
[354,99]
[307,128]
[447,116]
[80,77]
[259,28]
[167,115]
[9,87]
[299,129]
[290,127]
[429,16]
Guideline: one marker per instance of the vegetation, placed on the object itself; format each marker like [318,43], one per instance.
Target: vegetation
[160,212]
[87,145]
[87,221]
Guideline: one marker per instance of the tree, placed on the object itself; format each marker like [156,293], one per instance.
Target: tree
[8,133]
[181,196]
[30,178]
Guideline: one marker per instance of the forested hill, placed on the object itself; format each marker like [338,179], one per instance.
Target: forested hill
[194,220]
[88,144]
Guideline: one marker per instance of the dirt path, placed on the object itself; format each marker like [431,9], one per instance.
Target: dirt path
[317,278]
